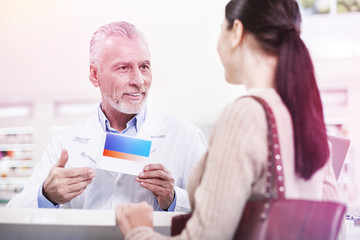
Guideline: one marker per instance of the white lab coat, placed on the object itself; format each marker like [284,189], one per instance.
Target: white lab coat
[175,144]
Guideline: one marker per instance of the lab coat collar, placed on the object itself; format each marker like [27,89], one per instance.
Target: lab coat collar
[153,129]
[93,134]
[152,126]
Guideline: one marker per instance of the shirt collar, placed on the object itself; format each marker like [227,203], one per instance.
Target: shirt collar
[134,123]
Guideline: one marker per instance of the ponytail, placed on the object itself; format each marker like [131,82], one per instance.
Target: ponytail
[297,87]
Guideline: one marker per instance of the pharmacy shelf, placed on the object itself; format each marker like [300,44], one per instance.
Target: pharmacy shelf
[13,180]
[17,130]
[17,163]
[10,186]
[336,121]
[17,147]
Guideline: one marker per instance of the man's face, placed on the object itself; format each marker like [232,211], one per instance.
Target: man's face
[124,75]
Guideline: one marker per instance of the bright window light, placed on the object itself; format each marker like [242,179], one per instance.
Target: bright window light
[75,108]
[334,97]
[14,111]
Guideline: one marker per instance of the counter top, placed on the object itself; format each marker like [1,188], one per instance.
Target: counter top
[68,224]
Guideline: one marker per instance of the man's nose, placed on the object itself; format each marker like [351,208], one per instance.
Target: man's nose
[136,78]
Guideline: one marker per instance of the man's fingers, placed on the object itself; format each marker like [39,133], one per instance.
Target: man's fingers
[156,189]
[66,189]
[63,159]
[86,172]
[155,166]
[78,186]
[160,174]
[63,184]
[71,172]
[71,195]
[159,182]
[78,179]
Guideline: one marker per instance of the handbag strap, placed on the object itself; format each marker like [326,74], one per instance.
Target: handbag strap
[274,157]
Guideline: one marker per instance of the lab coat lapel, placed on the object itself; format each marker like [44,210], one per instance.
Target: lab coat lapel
[94,136]
[152,130]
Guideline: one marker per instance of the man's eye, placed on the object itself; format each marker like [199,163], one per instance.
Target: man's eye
[145,66]
[123,68]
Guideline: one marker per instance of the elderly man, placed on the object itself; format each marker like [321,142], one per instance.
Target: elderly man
[67,175]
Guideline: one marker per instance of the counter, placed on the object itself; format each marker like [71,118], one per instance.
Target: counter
[37,224]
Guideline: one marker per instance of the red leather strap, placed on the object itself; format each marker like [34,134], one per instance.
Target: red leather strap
[274,152]
[274,164]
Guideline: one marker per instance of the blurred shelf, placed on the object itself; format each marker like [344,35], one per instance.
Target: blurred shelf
[336,121]
[17,130]
[17,147]
[17,163]
[9,186]
[5,197]
[13,180]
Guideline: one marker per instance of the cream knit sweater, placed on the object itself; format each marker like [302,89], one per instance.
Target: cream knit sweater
[233,170]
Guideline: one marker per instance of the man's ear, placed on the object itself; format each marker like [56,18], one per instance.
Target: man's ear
[93,76]
[237,33]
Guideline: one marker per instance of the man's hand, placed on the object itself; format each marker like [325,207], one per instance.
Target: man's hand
[129,216]
[158,179]
[63,184]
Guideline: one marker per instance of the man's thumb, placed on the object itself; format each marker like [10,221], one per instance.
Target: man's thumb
[63,159]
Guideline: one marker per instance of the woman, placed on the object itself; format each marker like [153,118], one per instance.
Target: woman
[259,47]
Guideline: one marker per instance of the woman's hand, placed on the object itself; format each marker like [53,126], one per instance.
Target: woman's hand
[129,216]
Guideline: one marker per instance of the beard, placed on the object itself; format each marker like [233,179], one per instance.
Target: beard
[132,107]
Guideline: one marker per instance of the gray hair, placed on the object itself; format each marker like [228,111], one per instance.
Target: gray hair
[120,28]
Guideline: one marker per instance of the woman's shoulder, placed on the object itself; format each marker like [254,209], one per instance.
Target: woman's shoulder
[242,115]
[248,104]
[244,107]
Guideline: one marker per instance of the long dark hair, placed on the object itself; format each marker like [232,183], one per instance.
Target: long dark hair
[276,26]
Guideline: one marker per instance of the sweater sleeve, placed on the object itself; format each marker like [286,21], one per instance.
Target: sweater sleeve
[235,160]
